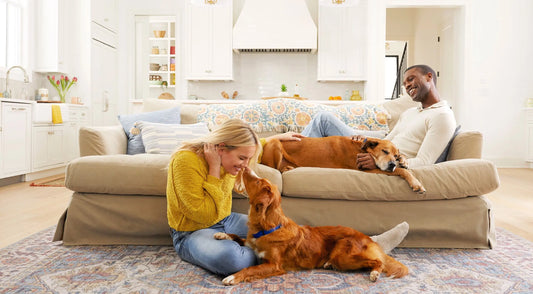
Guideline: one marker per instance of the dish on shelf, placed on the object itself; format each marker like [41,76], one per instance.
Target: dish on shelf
[159,34]
[154,66]
[156,83]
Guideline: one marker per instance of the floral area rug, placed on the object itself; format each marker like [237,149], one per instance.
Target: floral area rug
[38,265]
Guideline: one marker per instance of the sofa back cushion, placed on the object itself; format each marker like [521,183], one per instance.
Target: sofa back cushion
[135,143]
[283,115]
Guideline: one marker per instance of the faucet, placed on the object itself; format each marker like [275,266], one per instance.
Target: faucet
[7,94]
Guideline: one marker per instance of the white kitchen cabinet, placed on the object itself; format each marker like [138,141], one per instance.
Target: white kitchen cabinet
[48,149]
[104,90]
[104,13]
[15,139]
[342,41]
[209,46]
[78,117]
[51,34]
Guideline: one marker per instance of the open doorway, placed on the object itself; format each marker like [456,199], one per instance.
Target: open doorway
[436,37]
[395,65]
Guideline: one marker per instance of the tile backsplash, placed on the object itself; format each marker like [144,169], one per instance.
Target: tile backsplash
[257,75]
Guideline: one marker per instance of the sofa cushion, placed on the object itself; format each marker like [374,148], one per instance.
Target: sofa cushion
[166,138]
[446,180]
[282,115]
[444,155]
[135,144]
[141,174]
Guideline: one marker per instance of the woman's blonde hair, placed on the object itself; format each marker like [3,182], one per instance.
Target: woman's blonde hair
[233,133]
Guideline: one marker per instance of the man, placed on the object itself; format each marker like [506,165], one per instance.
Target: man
[421,133]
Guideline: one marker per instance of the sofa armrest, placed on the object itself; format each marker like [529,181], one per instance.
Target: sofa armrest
[106,140]
[467,144]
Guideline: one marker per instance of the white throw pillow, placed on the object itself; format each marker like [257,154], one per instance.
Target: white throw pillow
[166,138]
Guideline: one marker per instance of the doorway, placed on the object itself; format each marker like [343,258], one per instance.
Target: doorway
[436,37]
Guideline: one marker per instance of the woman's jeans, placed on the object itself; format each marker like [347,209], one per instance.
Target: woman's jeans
[325,124]
[223,257]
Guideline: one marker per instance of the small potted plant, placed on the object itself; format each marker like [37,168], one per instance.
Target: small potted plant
[283,92]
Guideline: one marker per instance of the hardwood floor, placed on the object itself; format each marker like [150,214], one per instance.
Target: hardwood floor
[25,210]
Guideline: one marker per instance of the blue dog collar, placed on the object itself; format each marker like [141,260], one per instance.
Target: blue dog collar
[263,233]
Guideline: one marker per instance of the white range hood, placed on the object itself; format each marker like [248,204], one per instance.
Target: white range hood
[275,26]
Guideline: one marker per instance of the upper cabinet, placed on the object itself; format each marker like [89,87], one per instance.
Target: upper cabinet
[342,41]
[51,32]
[104,13]
[209,40]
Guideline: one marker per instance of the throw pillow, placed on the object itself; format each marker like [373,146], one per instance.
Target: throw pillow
[444,154]
[135,143]
[166,138]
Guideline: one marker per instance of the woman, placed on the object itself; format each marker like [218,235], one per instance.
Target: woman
[201,177]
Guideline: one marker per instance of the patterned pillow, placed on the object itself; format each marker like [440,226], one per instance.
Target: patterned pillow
[166,138]
[135,143]
[282,115]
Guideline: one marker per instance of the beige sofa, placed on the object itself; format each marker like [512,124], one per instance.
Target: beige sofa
[120,199]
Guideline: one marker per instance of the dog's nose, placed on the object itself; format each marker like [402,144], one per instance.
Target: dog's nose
[392,166]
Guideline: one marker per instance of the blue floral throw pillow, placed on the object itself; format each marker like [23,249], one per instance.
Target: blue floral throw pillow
[135,143]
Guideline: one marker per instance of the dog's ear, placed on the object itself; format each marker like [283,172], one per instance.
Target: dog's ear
[369,143]
[262,202]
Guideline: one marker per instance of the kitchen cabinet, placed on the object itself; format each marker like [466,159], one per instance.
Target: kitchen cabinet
[15,139]
[209,45]
[342,41]
[104,75]
[104,13]
[162,57]
[51,33]
[78,117]
[48,149]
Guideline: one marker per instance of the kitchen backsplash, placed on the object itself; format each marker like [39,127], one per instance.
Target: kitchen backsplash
[257,75]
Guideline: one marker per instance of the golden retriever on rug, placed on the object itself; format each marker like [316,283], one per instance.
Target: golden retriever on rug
[282,245]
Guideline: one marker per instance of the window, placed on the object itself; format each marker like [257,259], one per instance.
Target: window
[13,33]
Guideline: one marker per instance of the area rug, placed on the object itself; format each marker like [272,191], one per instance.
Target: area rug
[38,265]
[58,181]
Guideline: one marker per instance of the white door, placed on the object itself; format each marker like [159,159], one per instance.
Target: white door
[103,84]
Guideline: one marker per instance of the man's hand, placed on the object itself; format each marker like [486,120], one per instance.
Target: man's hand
[365,161]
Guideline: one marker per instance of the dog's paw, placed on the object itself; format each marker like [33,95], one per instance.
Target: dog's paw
[374,275]
[229,280]
[222,236]
[418,188]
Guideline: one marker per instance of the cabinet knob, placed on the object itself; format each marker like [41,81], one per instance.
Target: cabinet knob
[208,71]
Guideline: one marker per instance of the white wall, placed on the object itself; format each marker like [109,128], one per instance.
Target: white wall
[498,75]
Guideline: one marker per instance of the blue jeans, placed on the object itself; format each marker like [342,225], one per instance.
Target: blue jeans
[223,257]
[325,124]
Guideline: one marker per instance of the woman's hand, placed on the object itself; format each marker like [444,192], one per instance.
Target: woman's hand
[289,136]
[213,159]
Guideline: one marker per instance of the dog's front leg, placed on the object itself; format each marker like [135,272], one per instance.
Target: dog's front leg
[231,237]
[413,182]
[260,271]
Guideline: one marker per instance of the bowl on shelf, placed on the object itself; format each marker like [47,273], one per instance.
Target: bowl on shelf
[154,66]
[159,34]
[156,83]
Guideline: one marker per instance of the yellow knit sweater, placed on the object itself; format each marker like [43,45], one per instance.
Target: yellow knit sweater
[195,199]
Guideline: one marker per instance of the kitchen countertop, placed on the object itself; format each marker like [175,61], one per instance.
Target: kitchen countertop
[16,100]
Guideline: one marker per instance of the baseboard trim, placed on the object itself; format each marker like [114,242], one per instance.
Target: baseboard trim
[44,174]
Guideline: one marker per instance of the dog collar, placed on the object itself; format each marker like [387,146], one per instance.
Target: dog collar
[263,233]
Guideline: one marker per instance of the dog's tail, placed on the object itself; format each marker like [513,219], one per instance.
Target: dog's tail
[394,268]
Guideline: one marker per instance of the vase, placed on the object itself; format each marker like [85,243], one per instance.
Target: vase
[62,96]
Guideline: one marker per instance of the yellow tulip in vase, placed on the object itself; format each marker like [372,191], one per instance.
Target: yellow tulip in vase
[62,85]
